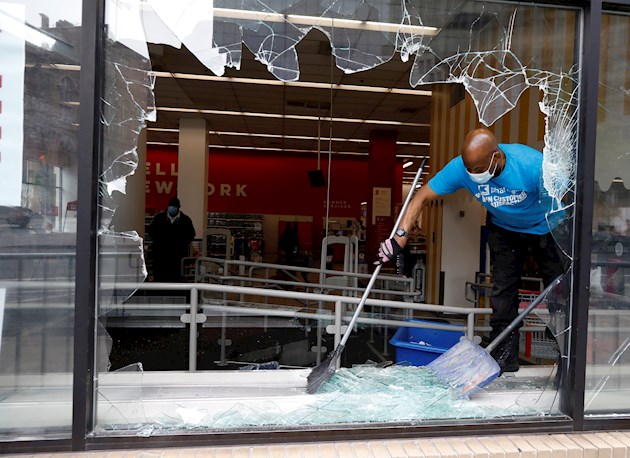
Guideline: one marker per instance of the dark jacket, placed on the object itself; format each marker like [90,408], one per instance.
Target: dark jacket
[170,242]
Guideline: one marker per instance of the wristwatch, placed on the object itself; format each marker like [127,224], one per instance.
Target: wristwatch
[400,232]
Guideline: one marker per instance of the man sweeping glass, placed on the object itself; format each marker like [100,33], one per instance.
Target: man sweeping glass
[507,180]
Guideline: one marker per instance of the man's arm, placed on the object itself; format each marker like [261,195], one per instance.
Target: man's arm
[424,195]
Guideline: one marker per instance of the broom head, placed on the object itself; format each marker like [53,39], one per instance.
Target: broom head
[322,373]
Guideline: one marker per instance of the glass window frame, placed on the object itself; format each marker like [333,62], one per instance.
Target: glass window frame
[85,331]
[586,421]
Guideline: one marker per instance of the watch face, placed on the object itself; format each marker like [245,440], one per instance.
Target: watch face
[401,232]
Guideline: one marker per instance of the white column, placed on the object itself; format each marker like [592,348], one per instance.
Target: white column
[129,214]
[192,170]
[461,233]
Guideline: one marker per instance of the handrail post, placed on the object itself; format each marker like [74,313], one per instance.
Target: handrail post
[320,329]
[192,338]
[223,341]
[241,274]
[338,324]
[470,325]
[266,276]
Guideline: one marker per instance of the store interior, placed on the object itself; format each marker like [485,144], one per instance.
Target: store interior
[298,152]
[335,152]
[280,140]
[301,151]
[279,152]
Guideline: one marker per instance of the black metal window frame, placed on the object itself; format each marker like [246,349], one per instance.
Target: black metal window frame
[90,143]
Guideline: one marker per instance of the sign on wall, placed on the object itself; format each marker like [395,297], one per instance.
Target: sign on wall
[250,183]
[12,60]
[381,203]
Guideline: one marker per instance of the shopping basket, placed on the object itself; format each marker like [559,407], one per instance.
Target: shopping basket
[533,342]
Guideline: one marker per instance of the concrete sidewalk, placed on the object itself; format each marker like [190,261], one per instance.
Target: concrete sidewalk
[614,444]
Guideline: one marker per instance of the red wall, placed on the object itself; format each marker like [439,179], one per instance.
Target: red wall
[248,182]
[268,184]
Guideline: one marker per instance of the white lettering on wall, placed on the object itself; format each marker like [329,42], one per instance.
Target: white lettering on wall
[166,187]
[163,187]
[337,204]
[225,190]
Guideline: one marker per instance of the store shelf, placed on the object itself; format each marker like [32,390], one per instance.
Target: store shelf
[241,225]
[246,232]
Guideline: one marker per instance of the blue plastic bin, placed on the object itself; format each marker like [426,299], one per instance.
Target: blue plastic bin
[420,346]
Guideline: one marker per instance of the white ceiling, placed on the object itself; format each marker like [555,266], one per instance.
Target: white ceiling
[221,96]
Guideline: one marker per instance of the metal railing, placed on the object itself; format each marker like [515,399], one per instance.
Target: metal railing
[60,265]
[244,273]
[193,316]
[195,312]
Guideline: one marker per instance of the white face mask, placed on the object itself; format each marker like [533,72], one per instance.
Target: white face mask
[484,177]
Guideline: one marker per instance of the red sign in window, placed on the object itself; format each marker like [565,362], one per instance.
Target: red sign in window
[0,118]
[0,113]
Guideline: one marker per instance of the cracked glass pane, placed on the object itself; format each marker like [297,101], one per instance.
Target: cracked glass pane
[127,104]
[513,82]
[363,394]
[607,351]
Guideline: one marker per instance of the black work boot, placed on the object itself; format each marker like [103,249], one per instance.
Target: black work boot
[506,353]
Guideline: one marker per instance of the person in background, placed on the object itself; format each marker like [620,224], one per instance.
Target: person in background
[171,232]
[507,180]
[290,243]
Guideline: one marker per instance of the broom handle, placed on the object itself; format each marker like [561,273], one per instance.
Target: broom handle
[497,340]
[378,268]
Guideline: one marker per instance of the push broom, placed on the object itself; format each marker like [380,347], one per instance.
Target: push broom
[325,370]
[467,367]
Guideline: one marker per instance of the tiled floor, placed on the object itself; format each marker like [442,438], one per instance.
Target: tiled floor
[613,444]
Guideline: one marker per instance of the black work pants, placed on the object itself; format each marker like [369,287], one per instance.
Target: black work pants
[508,251]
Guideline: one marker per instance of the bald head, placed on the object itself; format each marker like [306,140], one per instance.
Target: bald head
[479,145]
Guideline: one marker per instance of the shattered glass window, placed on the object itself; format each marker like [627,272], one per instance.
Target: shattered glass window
[127,104]
[608,339]
[499,54]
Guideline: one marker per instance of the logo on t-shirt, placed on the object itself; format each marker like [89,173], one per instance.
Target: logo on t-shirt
[498,197]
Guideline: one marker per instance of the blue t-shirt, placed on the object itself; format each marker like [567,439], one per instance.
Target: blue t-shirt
[516,200]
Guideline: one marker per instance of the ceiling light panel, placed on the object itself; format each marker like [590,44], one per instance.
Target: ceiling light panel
[289,137]
[335,119]
[252,90]
[257,82]
[319,21]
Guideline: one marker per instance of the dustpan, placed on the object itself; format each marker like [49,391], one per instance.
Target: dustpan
[468,367]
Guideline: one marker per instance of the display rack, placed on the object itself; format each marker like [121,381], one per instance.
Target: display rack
[245,229]
[217,243]
[148,245]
